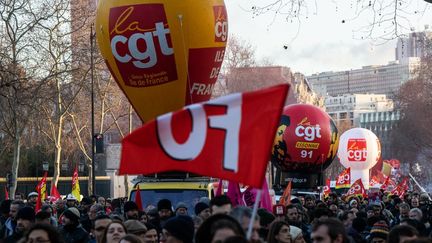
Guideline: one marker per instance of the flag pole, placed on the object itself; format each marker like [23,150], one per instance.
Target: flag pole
[254,213]
[421,188]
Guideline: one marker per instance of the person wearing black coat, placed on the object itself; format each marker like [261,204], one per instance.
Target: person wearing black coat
[72,231]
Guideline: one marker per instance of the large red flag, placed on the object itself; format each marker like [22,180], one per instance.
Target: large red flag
[138,199]
[401,189]
[357,189]
[228,138]
[286,196]
[54,194]
[344,179]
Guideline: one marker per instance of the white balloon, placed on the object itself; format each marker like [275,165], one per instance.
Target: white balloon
[360,150]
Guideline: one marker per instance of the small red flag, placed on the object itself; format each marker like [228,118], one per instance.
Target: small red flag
[42,192]
[357,189]
[219,190]
[6,193]
[401,189]
[286,196]
[229,138]
[138,199]
[54,194]
[344,179]
[234,194]
[326,189]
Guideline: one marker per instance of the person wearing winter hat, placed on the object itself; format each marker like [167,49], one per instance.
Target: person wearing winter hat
[181,209]
[296,234]
[202,210]
[379,232]
[25,219]
[135,227]
[164,208]
[178,229]
[72,231]
[130,209]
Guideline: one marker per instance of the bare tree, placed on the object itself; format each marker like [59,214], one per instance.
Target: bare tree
[377,20]
[63,88]
[25,68]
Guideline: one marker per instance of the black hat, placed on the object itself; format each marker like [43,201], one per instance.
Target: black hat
[199,207]
[72,214]
[129,206]
[27,213]
[164,204]
[181,227]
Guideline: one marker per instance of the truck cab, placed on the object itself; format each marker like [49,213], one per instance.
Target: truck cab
[187,189]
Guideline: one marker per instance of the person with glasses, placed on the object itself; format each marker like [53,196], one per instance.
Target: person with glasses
[43,233]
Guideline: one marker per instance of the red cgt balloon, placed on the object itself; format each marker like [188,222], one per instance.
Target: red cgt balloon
[306,140]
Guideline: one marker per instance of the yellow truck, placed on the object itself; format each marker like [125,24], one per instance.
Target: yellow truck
[187,189]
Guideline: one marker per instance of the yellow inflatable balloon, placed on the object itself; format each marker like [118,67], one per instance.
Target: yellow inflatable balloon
[164,54]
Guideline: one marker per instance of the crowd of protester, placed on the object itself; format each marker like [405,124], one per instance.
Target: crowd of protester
[381,218]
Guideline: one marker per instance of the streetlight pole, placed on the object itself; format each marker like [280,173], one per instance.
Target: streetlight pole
[92,177]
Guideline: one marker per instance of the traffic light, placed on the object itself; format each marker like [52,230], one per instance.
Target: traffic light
[99,143]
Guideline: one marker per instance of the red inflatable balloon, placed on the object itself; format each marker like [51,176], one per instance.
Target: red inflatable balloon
[306,141]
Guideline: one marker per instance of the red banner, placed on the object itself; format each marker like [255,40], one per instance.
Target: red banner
[401,189]
[344,179]
[286,196]
[357,189]
[229,138]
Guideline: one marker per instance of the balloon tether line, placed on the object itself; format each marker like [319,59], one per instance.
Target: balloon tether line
[180,17]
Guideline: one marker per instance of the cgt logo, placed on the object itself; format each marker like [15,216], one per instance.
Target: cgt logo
[357,150]
[307,131]
[343,179]
[221,23]
[141,45]
[354,189]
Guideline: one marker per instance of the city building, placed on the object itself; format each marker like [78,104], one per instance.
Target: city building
[374,79]
[254,78]
[349,107]
[381,123]
[412,46]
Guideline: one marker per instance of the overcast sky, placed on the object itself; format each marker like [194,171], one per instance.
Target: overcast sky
[326,37]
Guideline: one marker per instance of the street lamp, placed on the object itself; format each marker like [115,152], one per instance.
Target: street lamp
[45,165]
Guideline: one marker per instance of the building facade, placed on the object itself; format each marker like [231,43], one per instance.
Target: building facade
[374,79]
[350,107]
[381,123]
[412,46]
